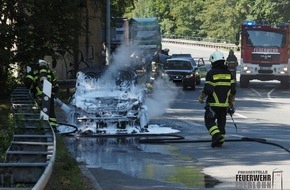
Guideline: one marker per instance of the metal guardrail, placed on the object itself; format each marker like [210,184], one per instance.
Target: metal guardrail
[201,43]
[31,155]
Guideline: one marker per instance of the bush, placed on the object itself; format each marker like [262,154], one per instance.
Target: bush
[6,127]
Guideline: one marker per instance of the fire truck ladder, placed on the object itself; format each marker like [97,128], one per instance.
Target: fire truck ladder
[31,155]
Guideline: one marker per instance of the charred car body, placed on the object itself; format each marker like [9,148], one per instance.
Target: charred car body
[108,102]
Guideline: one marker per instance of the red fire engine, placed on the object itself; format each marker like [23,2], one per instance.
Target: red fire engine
[265,52]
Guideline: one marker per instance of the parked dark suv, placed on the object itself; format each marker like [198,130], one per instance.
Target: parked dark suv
[181,71]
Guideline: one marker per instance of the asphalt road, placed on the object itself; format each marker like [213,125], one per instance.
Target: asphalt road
[262,114]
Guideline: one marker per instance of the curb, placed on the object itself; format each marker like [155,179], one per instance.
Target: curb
[89,175]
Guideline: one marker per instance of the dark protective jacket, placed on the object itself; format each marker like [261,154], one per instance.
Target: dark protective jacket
[232,61]
[34,80]
[219,85]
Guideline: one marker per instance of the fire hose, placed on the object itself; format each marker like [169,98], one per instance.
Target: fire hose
[167,138]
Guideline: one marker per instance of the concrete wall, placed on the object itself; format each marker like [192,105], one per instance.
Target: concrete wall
[89,43]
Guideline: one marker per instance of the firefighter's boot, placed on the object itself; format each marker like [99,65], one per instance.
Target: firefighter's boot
[221,142]
[216,140]
[216,135]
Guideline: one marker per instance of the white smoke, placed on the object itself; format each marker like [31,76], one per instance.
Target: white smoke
[164,92]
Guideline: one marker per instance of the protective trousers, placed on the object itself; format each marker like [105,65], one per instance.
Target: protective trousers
[215,121]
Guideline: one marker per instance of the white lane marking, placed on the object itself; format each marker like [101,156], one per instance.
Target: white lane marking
[240,115]
[255,91]
[269,93]
[169,110]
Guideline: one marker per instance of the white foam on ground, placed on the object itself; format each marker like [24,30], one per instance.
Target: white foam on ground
[152,129]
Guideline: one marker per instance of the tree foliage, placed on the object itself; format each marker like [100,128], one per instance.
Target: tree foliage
[273,11]
[216,19]
[30,29]
[7,41]
[44,26]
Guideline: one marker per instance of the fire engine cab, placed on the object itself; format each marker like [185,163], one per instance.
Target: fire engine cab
[265,52]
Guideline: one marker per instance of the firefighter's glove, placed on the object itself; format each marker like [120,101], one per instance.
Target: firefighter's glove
[231,110]
[201,98]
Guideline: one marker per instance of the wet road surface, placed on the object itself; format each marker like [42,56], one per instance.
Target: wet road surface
[127,164]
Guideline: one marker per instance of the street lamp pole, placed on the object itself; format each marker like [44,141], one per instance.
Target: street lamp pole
[108,33]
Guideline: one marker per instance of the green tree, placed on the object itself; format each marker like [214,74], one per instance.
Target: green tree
[144,8]
[221,18]
[7,42]
[119,8]
[185,17]
[156,8]
[272,11]
[31,29]
[44,26]
[176,18]
[216,19]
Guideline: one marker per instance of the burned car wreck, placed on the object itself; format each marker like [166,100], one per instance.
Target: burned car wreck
[108,102]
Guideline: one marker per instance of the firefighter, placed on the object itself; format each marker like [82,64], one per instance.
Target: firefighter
[166,51]
[232,63]
[219,91]
[34,81]
[163,56]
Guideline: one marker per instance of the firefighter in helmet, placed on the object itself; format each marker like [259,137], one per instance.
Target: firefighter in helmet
[232,63]
[219,91]
[34,81]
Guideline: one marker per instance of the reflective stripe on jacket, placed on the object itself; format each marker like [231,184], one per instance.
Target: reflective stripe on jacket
[35,78]
[219,85]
